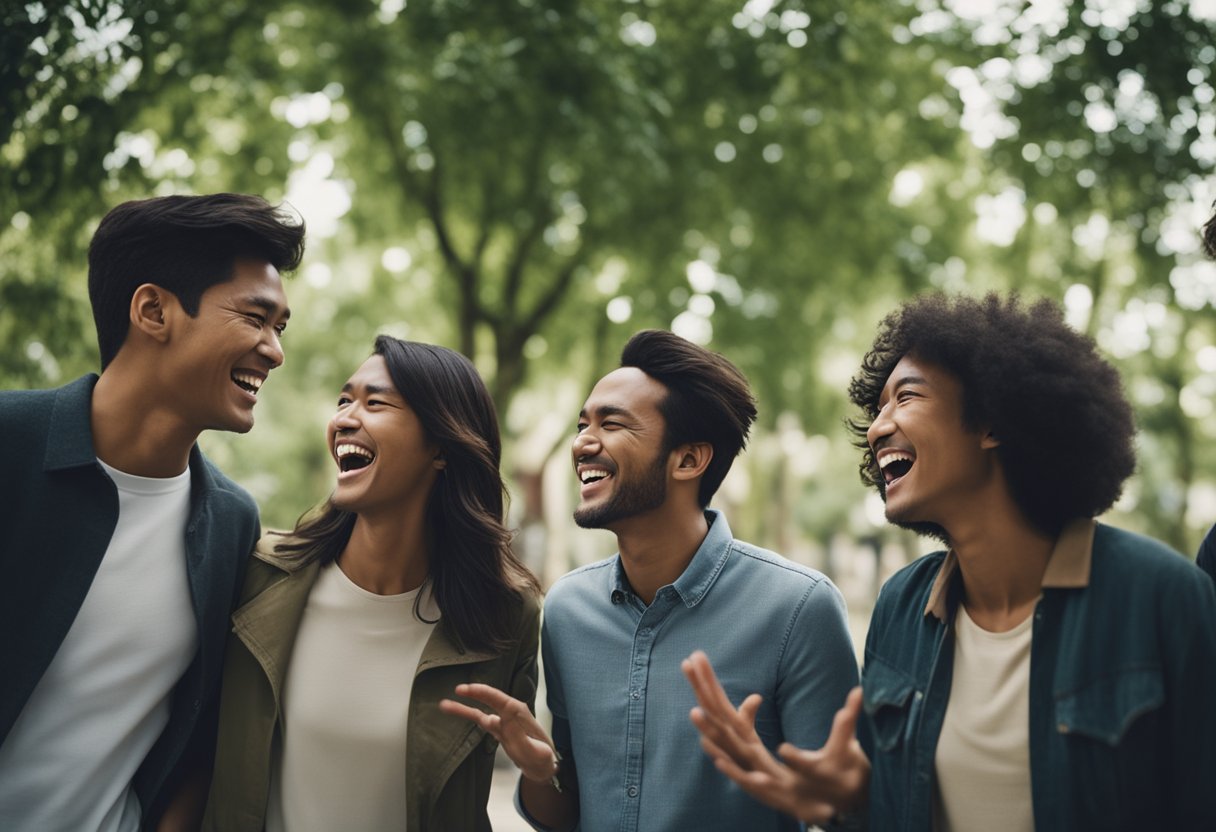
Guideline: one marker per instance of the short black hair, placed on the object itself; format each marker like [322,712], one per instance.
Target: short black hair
[185,244]
[708,399]
[1065,427]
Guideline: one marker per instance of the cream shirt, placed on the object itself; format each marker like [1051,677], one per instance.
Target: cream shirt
[341,763]
[983,754]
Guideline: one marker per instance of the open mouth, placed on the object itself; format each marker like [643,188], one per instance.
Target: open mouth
[895,465]
[591,474]
[353,457]
[247,381]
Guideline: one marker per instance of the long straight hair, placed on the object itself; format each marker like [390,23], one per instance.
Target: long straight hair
[475,577]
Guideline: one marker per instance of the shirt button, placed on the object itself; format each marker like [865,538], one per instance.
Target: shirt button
[634,694]
[632,791]
[645,631]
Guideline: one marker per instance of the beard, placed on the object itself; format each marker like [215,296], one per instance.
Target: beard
[628,500]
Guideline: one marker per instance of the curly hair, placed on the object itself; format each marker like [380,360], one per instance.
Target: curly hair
[1209,234]
[1065,427]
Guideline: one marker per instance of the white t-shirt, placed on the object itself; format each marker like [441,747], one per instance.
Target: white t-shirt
[983,753]
[103,701]
[346,707]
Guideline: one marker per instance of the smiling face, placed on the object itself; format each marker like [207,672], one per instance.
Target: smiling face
[379,445]
[619,453]
[933,466]
[216,361]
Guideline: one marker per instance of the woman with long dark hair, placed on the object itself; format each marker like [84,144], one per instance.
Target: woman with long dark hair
[352,628]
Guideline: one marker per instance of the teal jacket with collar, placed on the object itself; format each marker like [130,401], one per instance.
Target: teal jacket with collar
[1122,673]
[449,761]
[58,511]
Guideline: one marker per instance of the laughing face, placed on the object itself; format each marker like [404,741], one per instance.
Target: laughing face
[932,465]
[619,451]
[379,445]
[217,360]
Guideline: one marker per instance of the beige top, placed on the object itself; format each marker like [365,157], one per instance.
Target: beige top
[983,754]
[341,764]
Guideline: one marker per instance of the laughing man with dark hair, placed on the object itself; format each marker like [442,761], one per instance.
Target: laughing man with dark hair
[655,439]
[1047,671]
[121,545]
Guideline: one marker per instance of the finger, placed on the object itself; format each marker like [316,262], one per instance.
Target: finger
[844,725]
[748,755]
[747,711]
[486,695]
[706,686]
[487,722]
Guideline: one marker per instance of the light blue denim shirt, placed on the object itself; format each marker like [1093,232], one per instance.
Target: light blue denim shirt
[620,703]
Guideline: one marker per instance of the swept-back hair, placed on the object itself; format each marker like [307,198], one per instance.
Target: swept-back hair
[475,576]
[1065,428]
[185,244]
[708,399]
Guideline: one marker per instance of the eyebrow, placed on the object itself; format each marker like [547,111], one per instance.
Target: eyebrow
[266,304]
[371,389]
[902,383]
[906,380]
[608,410]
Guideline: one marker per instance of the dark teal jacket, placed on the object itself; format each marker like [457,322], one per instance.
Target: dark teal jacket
[58,510]
[1122,684]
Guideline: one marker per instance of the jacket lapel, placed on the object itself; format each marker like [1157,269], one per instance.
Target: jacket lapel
[267,624]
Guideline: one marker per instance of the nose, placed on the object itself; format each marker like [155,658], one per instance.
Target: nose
[271,348]
[882,426]
[586,443]
[346,418]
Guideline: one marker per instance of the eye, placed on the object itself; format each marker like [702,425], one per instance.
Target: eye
[905,394]
[375,402]
[256,317]
[582,426]
[343,401]
[280,329]
[612,425]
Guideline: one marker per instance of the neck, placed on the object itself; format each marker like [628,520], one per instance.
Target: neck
[387,554]
[657,547]
[131,435]
[1002,559]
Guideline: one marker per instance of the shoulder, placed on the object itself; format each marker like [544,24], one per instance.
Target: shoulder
[582,585]
[757,570]
[34,407]
[1118,553]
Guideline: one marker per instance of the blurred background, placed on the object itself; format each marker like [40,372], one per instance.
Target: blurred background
[531,181]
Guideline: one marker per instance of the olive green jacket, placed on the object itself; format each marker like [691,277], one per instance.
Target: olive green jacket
[449,760]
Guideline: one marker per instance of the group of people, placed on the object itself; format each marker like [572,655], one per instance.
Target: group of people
[168,667]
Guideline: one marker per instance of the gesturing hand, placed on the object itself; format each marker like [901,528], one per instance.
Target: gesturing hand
[810,785]
[512,724]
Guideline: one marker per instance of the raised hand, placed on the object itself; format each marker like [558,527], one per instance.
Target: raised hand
[512,724]
[810,785]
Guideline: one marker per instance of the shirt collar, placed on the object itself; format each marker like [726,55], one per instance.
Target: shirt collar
[70,431]
[1067,568]
[702,570]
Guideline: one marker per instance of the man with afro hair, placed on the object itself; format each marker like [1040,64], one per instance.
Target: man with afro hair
[1044,672]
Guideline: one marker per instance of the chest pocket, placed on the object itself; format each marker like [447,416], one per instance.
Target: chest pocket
[888,697]
[1104,710]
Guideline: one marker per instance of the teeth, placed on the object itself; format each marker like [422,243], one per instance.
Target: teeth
[248,379]
[592,475]
[895,456]
[346,449]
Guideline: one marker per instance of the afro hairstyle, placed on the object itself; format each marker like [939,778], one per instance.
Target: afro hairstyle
[1065,428]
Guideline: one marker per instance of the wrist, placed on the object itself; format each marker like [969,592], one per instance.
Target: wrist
[548,775]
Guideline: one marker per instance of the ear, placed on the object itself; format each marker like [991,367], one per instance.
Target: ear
[148,311]
[989,441]
[439,462]
[692,460]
